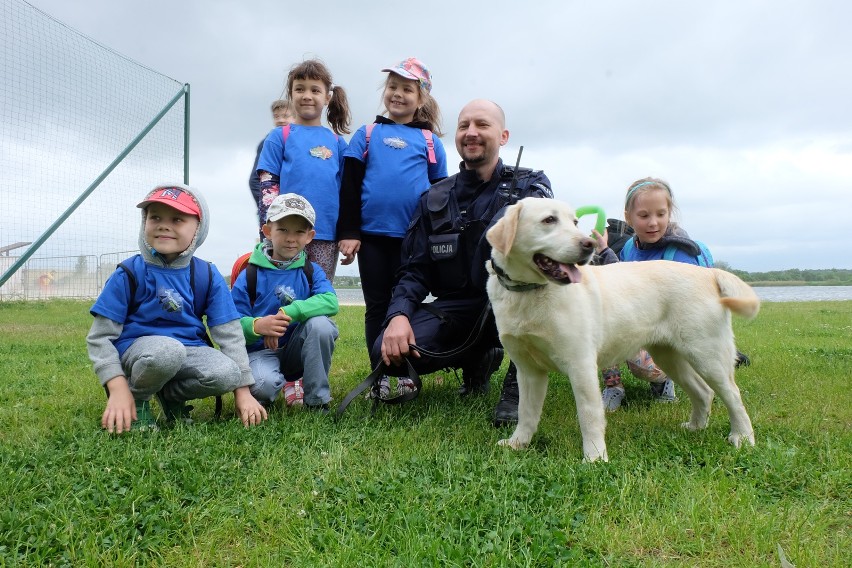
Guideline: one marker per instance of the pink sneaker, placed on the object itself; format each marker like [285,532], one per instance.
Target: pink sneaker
[294,394]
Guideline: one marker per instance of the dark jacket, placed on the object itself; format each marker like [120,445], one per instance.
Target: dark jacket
[444,250]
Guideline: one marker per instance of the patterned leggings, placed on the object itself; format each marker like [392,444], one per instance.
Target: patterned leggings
[641,366]
[325,254]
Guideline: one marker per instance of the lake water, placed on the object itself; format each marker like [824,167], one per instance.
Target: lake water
[350,296]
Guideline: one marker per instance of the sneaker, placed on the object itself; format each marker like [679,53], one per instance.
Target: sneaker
[506,411]
[318,408]
[294,394]
[174,411]
[742,360]
[404,385]
[612,397]
[477,380]
[663,392]
[382,390]
[145,420]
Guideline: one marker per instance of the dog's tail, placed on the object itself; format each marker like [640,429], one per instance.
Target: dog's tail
[736,295]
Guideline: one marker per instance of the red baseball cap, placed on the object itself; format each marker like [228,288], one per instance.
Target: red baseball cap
[175,197]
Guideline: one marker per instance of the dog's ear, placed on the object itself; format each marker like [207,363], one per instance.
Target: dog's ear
[502,234]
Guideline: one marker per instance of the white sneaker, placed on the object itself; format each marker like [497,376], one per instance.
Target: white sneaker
[612,397]
[663,392]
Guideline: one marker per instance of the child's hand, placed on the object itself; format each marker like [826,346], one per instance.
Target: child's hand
[120,410]
[601,241]
[250,411]
[348,248]
[272,326]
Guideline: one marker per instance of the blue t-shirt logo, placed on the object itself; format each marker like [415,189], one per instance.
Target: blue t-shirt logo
[170,299]
[285,295]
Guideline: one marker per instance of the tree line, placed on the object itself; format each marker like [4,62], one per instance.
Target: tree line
[823,277]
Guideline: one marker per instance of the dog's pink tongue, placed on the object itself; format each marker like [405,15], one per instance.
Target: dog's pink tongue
[572,273]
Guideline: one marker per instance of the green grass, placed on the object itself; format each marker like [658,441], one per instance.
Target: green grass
[424,484]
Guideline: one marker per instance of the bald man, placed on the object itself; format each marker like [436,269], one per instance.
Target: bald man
[444,254]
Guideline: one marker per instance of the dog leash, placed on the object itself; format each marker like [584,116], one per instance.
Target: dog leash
[372,381]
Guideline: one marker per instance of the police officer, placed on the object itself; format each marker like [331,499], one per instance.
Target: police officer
[444,253]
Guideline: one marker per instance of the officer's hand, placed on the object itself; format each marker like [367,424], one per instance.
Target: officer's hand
[398,336]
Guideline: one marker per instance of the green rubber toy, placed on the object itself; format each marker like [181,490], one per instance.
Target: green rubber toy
[600,224]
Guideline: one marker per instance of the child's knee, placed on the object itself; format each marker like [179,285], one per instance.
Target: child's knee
[266,389]
[321,327]
[154,357]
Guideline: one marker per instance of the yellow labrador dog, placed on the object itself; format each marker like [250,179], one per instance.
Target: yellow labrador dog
[555,314]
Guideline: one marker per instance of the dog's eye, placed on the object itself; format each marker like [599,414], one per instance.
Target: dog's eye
[576,222]
[549,220]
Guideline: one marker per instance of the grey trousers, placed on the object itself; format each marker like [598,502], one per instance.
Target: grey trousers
[307,354]
[156,363]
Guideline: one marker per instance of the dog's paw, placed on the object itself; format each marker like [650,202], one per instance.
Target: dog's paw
[693,427]
[600,457]
[513,443]
[738,439]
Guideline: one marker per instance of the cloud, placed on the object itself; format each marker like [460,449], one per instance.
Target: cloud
[739,105]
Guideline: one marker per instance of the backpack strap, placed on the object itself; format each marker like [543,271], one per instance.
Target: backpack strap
[308,269]
[285,133]
[430,145]
[368,131]
[251,282]
[134,268]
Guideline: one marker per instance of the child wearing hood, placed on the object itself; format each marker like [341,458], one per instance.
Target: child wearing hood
[148,337]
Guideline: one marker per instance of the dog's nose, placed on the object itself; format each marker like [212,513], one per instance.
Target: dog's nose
[587,244]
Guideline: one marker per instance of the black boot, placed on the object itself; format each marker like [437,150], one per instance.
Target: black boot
[477,378]
[742,360]
[506,411]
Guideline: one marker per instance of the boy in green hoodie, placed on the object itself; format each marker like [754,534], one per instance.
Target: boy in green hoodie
[285,317]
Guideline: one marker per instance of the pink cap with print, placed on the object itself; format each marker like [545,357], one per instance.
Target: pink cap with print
[413,68]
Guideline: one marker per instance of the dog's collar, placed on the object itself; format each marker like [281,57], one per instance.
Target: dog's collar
[510,284]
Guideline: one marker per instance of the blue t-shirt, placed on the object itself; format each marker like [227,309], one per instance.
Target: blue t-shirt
[632,253]
[310,164]
[165,305]
[275,289]
[397,172]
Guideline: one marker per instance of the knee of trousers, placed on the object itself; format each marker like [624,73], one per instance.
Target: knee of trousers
[321,328]
[267,389]
[160,356]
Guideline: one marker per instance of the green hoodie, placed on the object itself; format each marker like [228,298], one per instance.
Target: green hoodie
[323,304]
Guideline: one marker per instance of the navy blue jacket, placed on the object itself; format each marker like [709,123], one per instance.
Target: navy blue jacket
[474,207]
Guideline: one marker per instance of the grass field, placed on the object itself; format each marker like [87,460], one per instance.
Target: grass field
[424,484]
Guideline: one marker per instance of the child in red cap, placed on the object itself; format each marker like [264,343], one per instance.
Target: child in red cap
[148,338]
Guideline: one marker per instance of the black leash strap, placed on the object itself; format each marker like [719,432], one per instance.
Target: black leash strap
[372,382]
[471,339]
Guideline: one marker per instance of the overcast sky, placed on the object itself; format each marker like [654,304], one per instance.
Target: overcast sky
[742,106]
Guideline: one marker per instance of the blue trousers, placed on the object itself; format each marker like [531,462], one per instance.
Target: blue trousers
[307,353]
